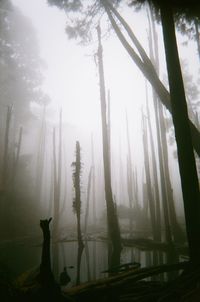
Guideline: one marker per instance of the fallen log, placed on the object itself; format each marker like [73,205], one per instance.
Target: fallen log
[110,288]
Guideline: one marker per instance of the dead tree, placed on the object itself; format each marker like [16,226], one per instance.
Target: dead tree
[87,201]
[77,188]
[46,276]
[155,174]
[93,183]
[113,226]
[6,145]
[16,159]
[149,185]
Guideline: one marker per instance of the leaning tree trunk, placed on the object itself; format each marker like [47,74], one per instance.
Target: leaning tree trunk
[145,65]
[155,174]
[187,167]
[113,226]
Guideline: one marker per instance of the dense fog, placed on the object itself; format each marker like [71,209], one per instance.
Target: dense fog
[50,98]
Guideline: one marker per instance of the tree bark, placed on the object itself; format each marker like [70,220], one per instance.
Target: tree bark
[187,167]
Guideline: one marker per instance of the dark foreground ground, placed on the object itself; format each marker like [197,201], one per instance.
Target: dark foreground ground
[132,285]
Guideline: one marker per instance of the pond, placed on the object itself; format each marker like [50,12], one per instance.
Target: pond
[18,257]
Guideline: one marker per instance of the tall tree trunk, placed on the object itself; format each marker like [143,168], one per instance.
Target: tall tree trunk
[177,232]
[40,158]
[155,175]
[113,226]
[168,234]
[55,185]
[56,207]
[77,198]
[187,167]
[149,185]
[93,184]
[87,200]
[109,126]
[16,160]
[153,45]
[59,159]
[6,145]
[129,179]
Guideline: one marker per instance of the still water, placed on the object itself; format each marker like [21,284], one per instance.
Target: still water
[18,257]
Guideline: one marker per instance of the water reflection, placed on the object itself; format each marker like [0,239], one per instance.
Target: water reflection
[79,255]
[83,265]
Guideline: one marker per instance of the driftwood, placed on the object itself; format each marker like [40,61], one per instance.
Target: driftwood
[125,286]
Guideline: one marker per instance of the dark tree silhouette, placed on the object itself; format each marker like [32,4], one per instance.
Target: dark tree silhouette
[77,187]
[46,276]
[187,166]
[113,226]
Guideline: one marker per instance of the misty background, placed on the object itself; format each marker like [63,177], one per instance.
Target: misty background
[50,85]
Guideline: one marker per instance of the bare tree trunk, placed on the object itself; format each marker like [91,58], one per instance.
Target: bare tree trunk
[87,200]
[129,179]
[40,158]
[16,161]
[168,235]
[59,160]
[109,127]
[155,175]
[79,256]
[149,185]
[77,198]
[56,209]
[93,184]
[113,226]
[159,129]
[5,154]
[187,167]
[177,232]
